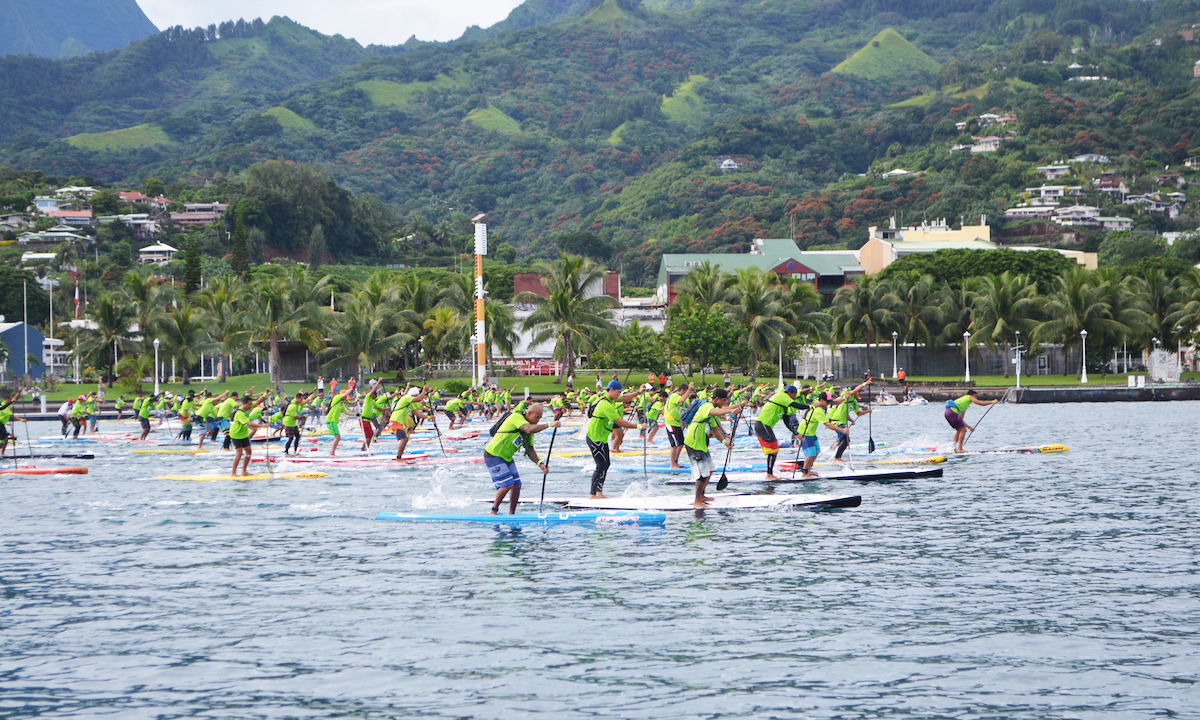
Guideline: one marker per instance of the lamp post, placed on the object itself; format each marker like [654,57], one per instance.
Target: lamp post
[1019,358]
[155,366]
[1179,349]
[895,373]
[781,360]
[1083,346]
[967,354]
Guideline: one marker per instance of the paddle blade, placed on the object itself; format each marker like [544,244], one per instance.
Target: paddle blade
[870,445]
[722,483]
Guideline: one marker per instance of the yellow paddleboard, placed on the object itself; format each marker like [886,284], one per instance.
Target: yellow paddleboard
[257,476]
[1053,448]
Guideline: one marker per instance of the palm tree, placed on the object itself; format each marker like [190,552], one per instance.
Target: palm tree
[917,315]
[708,285]
[958,310]
[500,325]
[359,337]
[802,310]
[221,303]
[1077,304]
[282,309]
[184,335]
[567,315]
[757,310]
[145,297]
[1004,305]
[862,310]
[113,317]
[444,331]
[1187,315]
[417,297]
[1160,299]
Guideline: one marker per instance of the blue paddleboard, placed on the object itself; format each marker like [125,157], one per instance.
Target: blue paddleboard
[619,517]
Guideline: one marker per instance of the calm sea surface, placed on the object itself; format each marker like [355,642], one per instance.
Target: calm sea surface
[1048,586]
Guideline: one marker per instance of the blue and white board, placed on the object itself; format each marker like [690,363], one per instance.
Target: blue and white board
[553,518]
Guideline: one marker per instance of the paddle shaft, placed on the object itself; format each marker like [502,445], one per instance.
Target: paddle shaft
[433,414]
[542,500]
[870,435]
[985,414]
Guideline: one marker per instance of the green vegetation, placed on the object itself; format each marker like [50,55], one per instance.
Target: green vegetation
[389,92]
[289,119]
[608,11]
[139,136]
[888,55]
[684,105]
[492,118]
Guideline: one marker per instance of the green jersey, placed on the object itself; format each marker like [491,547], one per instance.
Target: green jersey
[454,405]
[961,404]
[290,415]
[239,425]
[368,409]
[778,405]
[655,410]
[509,438]
[696,435]
[604,417]
[206,408]
[672,412]
[225,411]
[402,411]
[336,408]
[813,419]
[840,414]
[144,412]
[120,403]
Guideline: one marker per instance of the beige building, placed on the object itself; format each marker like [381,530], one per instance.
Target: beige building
[886,246]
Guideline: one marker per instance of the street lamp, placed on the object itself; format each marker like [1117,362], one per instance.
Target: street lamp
[895,335]
[1083,344]
[967,353]
[1179,349]
[155,366]
[1019,359]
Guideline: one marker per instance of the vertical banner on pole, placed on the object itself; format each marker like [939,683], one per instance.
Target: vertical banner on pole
[480,328]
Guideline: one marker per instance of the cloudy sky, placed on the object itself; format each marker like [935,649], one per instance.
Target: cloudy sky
[384,22]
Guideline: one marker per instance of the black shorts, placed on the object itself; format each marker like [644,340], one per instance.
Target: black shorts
[675,435]
[762,432]
[3,432]
[145,422]
[450,414]
[241,442]
[291,431]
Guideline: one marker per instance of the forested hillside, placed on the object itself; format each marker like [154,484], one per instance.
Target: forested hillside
[610,118]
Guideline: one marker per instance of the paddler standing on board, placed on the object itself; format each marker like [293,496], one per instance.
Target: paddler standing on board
[704,423]
[782,404]
[605,415]
[840,415]
[515,432]
[955,410]
[240,426]
[813,419]
[7,416]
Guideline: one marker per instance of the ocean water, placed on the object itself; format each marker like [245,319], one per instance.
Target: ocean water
[1016,586]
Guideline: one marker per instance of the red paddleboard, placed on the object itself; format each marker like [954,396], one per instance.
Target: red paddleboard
[45,471]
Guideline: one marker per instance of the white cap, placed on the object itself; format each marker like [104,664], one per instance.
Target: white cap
[414,391]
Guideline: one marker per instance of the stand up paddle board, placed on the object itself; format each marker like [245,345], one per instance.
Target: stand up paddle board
[257,476]
[65,456]
[45,471]
[556,518]
[1050,448]
[860,475]
[720,501]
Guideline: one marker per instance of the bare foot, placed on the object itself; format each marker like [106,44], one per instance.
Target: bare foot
[707,499]
[810,475]
[597,496]
[771,478]
[676,467]
[699,505]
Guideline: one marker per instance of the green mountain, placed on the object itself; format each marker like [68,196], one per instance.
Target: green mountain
[69,28]
[610,117]
[888,55]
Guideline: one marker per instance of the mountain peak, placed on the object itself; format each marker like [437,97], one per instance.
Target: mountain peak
[67,28]
[888,55]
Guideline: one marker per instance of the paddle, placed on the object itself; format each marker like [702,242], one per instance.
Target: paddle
[433,413]
[870,437]
[985,414]
[549,454]
[724,481]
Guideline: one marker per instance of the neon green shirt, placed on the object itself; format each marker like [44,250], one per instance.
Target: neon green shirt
[777,405]
[603,420]
[336,408]
[289,417]
[508,439]
[239,425]
[673,410]
[813,419]
[226,409]
[840,414]
[696,435]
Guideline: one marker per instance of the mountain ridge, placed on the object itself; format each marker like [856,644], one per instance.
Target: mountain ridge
[63,28]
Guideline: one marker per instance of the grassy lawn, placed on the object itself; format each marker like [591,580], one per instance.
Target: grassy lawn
[133,137]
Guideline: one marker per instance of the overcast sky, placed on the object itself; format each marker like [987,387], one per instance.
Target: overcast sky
[383,22]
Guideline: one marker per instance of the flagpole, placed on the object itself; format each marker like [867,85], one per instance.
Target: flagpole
[25,286]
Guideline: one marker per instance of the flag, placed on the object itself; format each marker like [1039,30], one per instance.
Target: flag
[76,299]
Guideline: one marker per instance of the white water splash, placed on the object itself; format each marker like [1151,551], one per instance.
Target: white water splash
[440,494]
